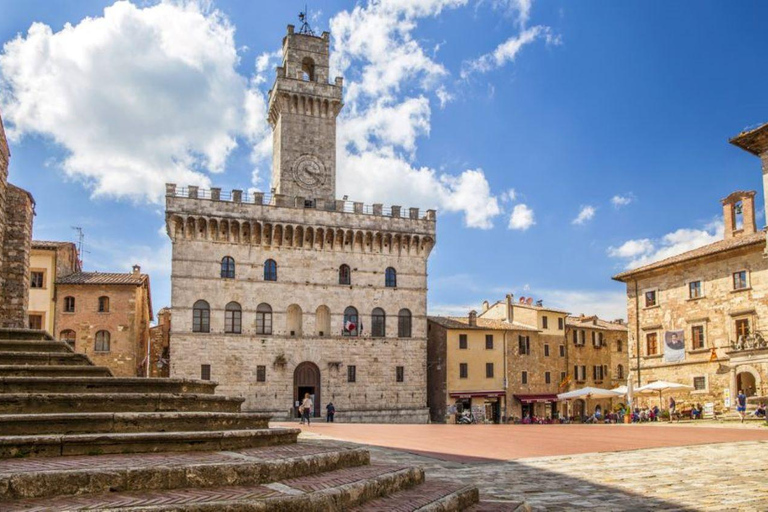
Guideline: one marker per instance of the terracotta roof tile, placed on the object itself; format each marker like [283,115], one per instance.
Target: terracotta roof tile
[47,244]
[103,278]
[453,322]
[593,322]
[707,250]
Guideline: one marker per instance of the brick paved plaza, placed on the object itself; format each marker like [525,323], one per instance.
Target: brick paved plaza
[557,467]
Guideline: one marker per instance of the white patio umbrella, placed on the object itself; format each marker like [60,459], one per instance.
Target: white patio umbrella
[621,390]
[660,386]
[587,393]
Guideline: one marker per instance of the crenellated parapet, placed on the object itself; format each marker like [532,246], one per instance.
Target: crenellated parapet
[278,221]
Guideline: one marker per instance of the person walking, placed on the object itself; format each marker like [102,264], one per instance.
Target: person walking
[672,407]
[741,405]
[330,411]
[307,407]
[300,411]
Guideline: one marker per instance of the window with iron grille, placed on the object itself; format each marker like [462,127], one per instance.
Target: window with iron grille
[489,341]
[351,373]
[699,383]
[463,370]
[400,373]
[205,372]
[261,373]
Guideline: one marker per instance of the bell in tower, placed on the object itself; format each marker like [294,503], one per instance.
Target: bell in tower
[303,106]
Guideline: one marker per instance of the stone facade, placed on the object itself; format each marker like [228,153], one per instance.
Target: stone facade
[17,210]
[537,358]
[299,292]
[160,345]
[125,317]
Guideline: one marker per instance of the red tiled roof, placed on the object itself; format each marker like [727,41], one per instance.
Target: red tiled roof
[593,322]
[453,322]
[103,278]
[47,244]
[730,244]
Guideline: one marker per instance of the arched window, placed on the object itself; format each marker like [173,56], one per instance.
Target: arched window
[323,321]
[294,320]
[270,270]
[69,336]
[404,323]
[69,304]
[201,317]
[104,304]
[264,319]
[228,267]
[390,278]
[308,69]
[345,275]
[102,341]
[378,323]
[233,318]
[351,326]
[620,371]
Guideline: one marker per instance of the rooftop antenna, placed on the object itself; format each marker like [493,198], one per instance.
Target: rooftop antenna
[304,19]
[80,240]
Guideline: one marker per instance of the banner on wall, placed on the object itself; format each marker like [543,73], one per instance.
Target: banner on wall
[674,346]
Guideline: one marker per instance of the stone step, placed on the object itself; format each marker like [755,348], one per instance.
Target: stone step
[104,385]
[53,370]
[49,403]
[124,422]
[40,358]
[335,490]
[142,442]
[433,495]
[69,476]
[23,334]
[34,346]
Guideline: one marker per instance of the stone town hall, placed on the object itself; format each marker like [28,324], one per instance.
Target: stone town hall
[275,296]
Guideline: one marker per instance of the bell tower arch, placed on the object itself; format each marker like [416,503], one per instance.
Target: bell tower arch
[303,107]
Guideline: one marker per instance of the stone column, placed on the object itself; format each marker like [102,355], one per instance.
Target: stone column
[732,387]
[764,160]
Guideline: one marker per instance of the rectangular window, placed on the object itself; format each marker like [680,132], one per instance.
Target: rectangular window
[697,335]
[463,341]
[205,372]
[546,350]
[489,341]
[261,373]
[694,289]
[69,304]
[400,373]
[582,337]
[547,377]
[740,280]
[544,322]
[463,371]
[651,344]
[562,376]
[37,279]
[488,370]
[562,350]
[36,322]
[351,373]
[560,324]
[699,383]
[650,298]
[524,378]
[594,339]
[597,373]
[742,327]
[575,337]
[580,373]
[524,345]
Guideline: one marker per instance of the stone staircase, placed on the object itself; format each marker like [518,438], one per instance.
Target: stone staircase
[73,437]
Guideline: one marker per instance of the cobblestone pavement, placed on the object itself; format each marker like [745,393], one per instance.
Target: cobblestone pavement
[724,476]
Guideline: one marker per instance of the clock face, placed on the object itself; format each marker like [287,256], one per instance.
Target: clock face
[308,171]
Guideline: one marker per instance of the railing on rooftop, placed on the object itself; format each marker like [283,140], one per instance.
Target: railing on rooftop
[279,200]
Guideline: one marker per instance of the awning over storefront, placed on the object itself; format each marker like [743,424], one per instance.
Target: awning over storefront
[471,394]
[529,399]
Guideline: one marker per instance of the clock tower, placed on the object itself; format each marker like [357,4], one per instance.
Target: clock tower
[303,106]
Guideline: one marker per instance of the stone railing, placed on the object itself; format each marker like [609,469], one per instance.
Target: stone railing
[280,200]
[752,341]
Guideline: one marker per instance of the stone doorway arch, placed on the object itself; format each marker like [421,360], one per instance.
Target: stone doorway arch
[306,379]
[579,407]
[747,380]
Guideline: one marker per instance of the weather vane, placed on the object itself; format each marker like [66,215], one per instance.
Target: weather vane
[304,19]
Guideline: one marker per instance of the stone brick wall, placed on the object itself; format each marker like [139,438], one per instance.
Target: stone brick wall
[127,322]
[4,160]
[16,249]
[160,342]
[437,374]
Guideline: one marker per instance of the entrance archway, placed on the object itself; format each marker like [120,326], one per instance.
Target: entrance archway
[745,381]
[578,408]
[306,379]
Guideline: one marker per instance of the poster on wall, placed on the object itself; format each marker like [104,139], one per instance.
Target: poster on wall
[674,346]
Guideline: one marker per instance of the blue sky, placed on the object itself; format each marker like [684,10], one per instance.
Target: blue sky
[561,142]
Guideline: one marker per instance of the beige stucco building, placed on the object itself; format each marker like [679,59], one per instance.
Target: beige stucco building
[699,317]
[48,261]
[296,292]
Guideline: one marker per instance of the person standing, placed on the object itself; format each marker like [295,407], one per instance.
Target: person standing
[297,405]
[307,407]
[330,411]
[741,405]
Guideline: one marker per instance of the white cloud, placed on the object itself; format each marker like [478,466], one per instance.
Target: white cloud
[444,96]
[586,214]
[607,305]
[519,8]
[644,251]
[137,97]
[622,200]
[508,50]
[522,218]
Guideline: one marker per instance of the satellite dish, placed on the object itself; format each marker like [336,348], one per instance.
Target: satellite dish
[529,301]
[522,300]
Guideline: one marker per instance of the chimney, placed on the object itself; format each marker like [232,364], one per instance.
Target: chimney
[136,270]
[473,318]
[510,309]
[739,214]
[486,306]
